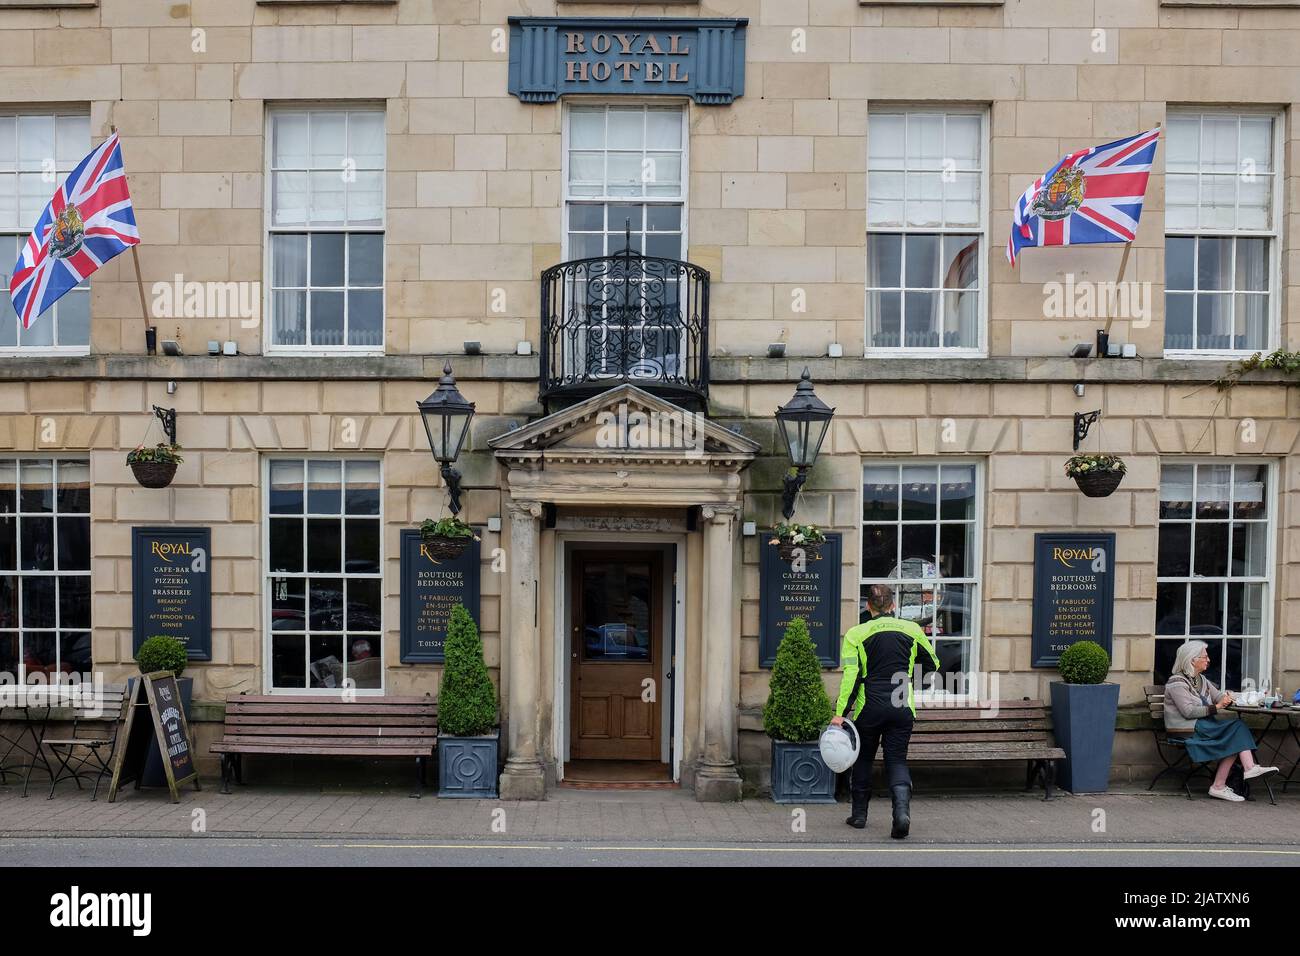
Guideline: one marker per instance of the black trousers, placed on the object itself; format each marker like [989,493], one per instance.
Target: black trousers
[893,727]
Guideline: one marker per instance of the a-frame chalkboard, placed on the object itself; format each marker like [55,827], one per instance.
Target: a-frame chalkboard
[157,693]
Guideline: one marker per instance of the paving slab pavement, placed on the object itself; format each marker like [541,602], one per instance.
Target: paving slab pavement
[665,816]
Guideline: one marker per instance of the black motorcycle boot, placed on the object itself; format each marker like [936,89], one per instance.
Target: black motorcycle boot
[902,796]
[858,818]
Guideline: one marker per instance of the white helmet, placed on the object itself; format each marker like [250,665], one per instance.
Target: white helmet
[840,746]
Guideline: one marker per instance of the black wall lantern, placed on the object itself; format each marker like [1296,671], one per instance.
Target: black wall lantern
[446,417]
[803,422]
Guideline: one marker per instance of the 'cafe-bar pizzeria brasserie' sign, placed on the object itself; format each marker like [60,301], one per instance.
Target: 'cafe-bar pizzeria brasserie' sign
[700,58]
[172,587]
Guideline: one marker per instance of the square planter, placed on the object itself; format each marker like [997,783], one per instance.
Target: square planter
[1083,722]
[799,775]
[467,766]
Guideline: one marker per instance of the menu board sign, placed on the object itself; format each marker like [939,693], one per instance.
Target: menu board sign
[172,587]
[812,593]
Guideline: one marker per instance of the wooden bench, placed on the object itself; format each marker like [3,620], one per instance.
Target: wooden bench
[326,727]
[1019,731]
[1176,740]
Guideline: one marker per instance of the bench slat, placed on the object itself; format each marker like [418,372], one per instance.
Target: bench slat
[296,742]
[311,730]
[1047,753]
[966,725]
[972,746]
[964,735]
[327,751]
[403,710]
[331,720]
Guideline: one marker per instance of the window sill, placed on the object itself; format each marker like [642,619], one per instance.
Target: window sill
[1212,355]
[323,3]
[1256,4]
[325,353]
[926,353]
[43,352]
[930,3]
[47,4]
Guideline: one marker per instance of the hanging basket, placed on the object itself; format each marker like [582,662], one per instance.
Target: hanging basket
[153,474]
[445,549]
[788,551]
[1099,484]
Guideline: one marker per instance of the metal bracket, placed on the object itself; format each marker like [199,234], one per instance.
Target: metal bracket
[451,477]
[791,485]
[168,418]
[1082,422]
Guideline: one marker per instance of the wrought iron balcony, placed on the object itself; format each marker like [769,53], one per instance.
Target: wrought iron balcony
[625,318]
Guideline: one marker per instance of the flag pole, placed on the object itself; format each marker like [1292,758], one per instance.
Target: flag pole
[1123,265]
[139,278]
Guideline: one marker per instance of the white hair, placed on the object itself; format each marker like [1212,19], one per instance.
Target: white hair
[1188,652]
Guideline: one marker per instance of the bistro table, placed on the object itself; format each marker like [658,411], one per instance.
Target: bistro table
[1289,714]
[29,713]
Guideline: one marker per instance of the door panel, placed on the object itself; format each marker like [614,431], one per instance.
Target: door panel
[617,639]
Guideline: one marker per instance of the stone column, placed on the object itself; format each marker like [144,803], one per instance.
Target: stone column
[716,778]
[523,778]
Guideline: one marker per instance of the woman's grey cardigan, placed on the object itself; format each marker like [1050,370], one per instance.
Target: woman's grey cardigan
[1184,705]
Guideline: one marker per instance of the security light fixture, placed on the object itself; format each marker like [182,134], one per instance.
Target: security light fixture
[171,348]
[214,347]
[803,422]
[473,348]
[776,350]
[1082,350]
[446,416]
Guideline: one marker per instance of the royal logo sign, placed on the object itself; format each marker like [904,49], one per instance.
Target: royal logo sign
[700,58]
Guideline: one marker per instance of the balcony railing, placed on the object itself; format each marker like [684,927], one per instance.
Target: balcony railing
[625,318]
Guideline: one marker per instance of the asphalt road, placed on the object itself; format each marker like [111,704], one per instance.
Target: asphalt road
[215,851]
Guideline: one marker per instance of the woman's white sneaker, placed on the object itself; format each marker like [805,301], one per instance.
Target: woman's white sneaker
[1226,793]
[1258,771]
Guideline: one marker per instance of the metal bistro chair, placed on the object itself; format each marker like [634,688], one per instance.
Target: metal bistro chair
[96,759]
[1177,741]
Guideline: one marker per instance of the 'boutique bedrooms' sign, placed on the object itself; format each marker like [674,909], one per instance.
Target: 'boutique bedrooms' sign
[700,58]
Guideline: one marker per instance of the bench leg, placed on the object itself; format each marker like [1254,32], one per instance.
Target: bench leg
[1031,771]
[239,768]
[419,778]
[1049,778]
[226,762]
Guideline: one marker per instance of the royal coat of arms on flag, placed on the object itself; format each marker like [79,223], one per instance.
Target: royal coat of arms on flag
[1092,196]
[88,222]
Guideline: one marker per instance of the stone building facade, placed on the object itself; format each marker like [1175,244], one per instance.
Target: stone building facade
[239,120]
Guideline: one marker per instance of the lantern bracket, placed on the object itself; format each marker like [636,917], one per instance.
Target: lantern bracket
[792,485]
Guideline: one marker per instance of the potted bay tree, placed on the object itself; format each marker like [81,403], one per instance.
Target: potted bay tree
[468,734]
[796,712]
[1083,717]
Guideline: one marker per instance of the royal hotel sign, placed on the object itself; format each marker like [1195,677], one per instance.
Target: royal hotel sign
[699,58]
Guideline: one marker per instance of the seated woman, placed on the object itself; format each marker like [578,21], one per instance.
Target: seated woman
[1191,704]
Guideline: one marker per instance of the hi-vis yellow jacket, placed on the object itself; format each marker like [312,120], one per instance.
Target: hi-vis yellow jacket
[894,657]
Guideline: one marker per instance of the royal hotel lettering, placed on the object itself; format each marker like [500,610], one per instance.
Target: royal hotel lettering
[632,52]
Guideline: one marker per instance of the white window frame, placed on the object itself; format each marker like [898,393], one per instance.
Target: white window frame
[61,173]
[17,572]
[973,582]
[1274,235]
[565,199]
[269,229]
[980,349]
[268,575]
[1269,580]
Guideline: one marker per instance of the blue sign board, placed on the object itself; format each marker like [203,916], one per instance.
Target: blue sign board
[430,588]
[700,58]
[1074,592]
[812,594]
[171,587]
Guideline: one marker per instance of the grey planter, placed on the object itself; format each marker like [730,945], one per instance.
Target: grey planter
[799,775]
[467,766]
[1083,722]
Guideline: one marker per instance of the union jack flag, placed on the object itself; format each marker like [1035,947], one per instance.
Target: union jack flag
[1092,196]
[89,221]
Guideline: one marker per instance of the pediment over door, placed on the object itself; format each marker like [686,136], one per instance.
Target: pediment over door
[625,446]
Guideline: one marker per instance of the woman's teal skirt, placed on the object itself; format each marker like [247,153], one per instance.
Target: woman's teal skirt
[1216,739]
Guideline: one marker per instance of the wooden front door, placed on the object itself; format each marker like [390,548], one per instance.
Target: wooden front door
[616,646]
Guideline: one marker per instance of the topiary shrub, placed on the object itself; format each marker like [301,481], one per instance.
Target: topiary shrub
[162,653]
[467,705]
[797,708]
[1084,662]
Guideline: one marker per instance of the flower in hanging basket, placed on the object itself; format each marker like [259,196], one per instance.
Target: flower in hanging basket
[154,467]
[1096,475]
[446,537]
[792,538]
